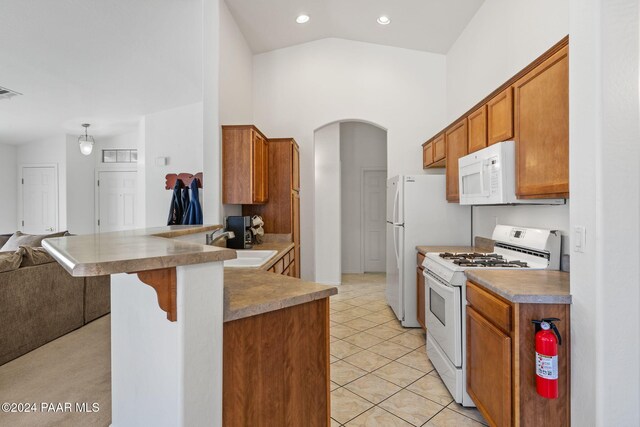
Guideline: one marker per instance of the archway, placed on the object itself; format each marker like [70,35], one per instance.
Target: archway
[350,159]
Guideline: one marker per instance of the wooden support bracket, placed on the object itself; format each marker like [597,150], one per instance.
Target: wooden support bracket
[165,283]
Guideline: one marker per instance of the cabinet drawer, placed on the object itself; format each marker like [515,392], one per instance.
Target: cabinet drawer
[494,309]
[419,259]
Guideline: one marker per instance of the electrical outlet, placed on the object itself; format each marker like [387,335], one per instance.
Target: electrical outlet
[579,238]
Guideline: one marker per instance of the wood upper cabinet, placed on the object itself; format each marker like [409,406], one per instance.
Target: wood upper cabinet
[439,148]
[500,117]
[245,167]
[295,172]
[477,129]
[427,155]
[260,169]
[489,369]
[434,152]
[541,104]
[281,214]
[456,143]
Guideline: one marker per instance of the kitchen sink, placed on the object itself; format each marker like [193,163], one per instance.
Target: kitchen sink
[249,258]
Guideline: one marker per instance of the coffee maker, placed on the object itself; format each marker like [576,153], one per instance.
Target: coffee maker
[241,227]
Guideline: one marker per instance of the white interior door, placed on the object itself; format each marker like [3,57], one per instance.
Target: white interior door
[374,222]
[39,199]
[116,200]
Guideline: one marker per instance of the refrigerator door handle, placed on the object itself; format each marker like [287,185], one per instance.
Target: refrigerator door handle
[394,219]
[395,246]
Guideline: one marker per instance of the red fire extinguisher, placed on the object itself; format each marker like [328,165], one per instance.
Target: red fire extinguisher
[547,341]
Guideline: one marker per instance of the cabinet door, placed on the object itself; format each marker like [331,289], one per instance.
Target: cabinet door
[477,129]
[439,148]
[295,165]
[260,169]
[500,117]
[542,129]
[489,369]
[427,155]
[420,294]
[456,142]
[295,217]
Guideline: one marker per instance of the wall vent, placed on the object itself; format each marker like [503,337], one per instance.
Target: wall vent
[7,93]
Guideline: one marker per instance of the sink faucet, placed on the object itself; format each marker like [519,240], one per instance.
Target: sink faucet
[218,234]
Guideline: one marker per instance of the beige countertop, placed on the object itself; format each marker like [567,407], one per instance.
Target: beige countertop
[133,250]
[525,286]
[249,292]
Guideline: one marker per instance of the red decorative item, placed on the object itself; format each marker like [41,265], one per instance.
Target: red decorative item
[547,341]
[186,179]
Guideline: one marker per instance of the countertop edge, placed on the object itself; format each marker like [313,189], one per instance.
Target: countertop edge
[264,308]
[102,268]
[519,298]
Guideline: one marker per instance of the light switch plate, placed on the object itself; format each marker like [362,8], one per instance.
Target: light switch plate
[579,238]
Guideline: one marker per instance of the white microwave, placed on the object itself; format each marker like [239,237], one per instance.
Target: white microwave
[488,177]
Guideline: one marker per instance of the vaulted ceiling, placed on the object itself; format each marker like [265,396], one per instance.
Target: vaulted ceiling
[428,25]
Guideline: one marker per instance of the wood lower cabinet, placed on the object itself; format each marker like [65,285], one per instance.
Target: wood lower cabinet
[501,361]
[245,165]
[420,292]
[500,117]
[276,368]
[286,264]
[281,214]
[489,375]
[541,100]
[477,129]
[456,143]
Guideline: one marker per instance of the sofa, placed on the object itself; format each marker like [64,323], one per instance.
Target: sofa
[39,303]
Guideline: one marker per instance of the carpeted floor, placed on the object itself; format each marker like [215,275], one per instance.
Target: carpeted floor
[72,369]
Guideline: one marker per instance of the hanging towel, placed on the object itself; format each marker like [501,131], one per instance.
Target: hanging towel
[185,203]
[193,214]
[176,209]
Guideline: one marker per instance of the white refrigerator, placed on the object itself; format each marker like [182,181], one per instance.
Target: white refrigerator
[418,214]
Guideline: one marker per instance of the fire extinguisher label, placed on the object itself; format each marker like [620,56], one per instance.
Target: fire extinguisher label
[547,366]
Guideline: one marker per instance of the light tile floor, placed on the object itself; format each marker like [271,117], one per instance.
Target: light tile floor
[380,372]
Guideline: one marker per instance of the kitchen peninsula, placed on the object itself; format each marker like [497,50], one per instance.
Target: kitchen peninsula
[167,353]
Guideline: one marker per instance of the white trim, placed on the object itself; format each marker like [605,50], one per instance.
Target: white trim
[362,228]
[96,191]
[20,206]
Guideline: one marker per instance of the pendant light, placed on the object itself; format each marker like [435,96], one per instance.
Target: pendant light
[86,141]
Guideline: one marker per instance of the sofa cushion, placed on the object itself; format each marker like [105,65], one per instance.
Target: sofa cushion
[10,261]
[35,256]
[21,239]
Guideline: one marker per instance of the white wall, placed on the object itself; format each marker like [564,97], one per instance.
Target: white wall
[327,210]
[80,187]
[605,149]
[8,177]
[362,146]
[502,38]
[302,88]
[236,80]
[49,151]
[177,135]
[210,132]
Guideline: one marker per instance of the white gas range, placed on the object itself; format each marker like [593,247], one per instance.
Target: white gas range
[445,294]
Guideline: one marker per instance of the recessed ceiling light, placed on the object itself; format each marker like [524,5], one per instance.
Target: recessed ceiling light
[302,19]
[384,20]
